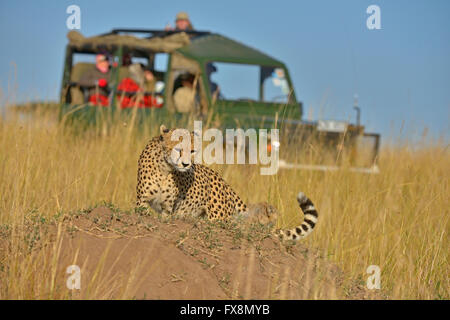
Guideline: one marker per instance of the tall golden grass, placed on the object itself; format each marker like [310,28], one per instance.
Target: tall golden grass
[397,219]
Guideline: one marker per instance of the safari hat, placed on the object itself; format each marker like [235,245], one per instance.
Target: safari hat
[182,16]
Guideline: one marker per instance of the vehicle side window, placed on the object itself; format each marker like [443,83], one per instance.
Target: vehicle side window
[275,85]
[161,60]
[234,81]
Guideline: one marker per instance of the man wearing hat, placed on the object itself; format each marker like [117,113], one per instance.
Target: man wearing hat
[182,22]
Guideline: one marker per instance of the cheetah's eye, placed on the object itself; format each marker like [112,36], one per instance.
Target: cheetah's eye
[193,151]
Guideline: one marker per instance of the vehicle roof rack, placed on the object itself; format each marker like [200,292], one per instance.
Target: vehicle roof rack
[158,32]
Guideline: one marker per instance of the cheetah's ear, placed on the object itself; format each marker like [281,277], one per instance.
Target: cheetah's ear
[163,129]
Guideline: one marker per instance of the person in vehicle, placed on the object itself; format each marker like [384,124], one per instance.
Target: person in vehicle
[149,80]
[126,68]
[214,87]
[152,97]
[144,77]
[184,98]
[141,77]
[97,80]
[138,88]
[182,22]
[126,60]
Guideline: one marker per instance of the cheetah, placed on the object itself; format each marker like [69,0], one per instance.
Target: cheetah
[170,183]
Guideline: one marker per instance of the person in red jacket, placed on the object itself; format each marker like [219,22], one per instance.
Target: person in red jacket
[139,89]
[97,80]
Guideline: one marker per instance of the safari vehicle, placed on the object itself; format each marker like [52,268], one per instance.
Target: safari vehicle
[235,86]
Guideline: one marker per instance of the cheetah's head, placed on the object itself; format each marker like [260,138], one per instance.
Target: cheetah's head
[178,148]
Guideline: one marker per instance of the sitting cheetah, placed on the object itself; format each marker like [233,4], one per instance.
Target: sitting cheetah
[171,183]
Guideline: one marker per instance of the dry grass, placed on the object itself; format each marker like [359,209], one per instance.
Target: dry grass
[397,219]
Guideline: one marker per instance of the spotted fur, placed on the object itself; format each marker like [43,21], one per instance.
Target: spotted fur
[170,183]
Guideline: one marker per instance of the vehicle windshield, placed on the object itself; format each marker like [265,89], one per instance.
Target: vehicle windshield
[245,82]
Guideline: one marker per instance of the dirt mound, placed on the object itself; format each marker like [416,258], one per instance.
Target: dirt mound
[137,255]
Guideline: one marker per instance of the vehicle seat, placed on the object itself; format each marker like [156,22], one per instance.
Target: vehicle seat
[78,70]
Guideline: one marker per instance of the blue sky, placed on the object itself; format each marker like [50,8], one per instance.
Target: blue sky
[401,73]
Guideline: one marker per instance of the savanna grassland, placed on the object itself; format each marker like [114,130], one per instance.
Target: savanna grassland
[397,219]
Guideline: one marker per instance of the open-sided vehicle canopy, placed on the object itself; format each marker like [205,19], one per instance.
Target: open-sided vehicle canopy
[202,47]
[113,41]
[189,52]
[214,47]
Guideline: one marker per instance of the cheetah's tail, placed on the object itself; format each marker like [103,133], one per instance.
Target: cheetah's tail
[308,224]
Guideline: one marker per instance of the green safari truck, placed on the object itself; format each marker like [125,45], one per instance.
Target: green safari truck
[232,86]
